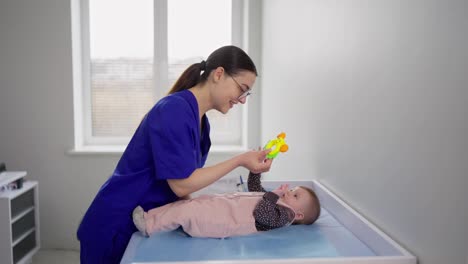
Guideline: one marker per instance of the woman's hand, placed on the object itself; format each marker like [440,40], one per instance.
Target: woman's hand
[256,161]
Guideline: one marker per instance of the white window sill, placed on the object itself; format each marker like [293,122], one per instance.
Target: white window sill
[118,150]
[96,150]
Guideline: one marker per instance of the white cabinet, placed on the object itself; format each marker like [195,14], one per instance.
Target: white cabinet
[19,223]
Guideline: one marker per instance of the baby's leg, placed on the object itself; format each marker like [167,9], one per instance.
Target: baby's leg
[168,217]
[139,220]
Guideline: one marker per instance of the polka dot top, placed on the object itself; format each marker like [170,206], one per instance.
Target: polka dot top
[268,214]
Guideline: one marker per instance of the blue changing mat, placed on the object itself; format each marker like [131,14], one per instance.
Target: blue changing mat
[325,238]
[297,241]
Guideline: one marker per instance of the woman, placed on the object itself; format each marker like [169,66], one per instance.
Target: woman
[164,160]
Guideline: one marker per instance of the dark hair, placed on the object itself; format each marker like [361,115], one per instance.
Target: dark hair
[312,214]
[231,58]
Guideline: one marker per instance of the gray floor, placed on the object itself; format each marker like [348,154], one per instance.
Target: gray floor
[56,256]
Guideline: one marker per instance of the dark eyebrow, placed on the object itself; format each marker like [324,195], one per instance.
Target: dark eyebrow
[248,88]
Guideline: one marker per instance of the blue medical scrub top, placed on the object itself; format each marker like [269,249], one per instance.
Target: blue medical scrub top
[168,144]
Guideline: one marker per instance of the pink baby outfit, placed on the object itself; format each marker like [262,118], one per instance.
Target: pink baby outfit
[217,216]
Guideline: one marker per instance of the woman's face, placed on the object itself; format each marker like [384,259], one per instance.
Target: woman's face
[232,90]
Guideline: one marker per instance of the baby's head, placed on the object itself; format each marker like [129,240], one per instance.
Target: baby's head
[305,203]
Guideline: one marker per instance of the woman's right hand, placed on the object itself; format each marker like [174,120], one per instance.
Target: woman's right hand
[256,161]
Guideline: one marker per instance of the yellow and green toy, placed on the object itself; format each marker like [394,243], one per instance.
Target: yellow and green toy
[276,145]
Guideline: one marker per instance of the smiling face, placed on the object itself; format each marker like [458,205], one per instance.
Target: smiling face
[231,89]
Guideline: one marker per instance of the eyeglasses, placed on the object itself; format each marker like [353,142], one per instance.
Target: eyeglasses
[244,93]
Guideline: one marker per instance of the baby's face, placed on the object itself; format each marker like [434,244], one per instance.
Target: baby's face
[298,199]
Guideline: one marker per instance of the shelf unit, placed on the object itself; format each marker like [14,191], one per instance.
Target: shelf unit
[19,222]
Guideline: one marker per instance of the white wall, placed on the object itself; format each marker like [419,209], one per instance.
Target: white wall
[374,98]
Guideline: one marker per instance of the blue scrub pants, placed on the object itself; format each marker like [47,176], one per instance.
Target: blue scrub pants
[105,248]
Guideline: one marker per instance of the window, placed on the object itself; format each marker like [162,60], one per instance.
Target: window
[131,52]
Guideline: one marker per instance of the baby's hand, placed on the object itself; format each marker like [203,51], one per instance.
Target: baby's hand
[281,190]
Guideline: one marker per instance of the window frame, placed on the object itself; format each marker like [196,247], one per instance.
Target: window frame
[84,142]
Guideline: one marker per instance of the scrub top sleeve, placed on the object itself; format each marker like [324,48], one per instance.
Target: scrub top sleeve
[173,140]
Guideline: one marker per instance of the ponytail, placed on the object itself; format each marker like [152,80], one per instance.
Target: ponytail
[231,58]
[189,78]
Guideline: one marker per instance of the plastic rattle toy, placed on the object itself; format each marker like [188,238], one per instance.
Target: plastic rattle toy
[277,145]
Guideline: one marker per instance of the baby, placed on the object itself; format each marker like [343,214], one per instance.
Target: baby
[235,214]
